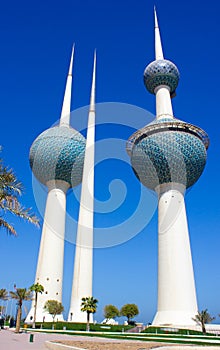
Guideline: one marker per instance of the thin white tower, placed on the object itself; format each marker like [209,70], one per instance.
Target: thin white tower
[177,303]
[83,264]
[53,156]
[168,156]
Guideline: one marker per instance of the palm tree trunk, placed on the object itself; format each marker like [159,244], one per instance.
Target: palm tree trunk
[35,310]
[18,320]
[87,324]
[203,329]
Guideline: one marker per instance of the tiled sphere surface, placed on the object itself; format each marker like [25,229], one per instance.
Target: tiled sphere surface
[58,154]
[168,156]
[161,72]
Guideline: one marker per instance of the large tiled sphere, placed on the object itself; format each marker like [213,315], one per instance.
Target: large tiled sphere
[161,72]
[58,154]
[166,152]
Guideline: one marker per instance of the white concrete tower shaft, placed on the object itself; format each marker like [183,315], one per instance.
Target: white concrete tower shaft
[50,261]
[177,302]
[83,264]
[51,255]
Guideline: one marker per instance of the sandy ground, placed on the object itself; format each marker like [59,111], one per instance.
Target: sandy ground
[93,344]
[128,345]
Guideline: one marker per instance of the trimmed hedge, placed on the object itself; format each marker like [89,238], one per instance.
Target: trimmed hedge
[170,330]
[82,326]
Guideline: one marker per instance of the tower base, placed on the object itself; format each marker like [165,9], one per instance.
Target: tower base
[42,316]
[76,315]
[174,318]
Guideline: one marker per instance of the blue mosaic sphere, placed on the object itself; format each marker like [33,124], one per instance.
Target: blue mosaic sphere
[168,151]
[58,154]
[161,72]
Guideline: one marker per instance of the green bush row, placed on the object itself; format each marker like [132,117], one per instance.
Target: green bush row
[82,326]
[169,330]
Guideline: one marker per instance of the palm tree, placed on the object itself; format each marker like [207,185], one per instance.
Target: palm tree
[203,317]
[89,305]
[37,288]
[20,295]
[3,294]
[10,190]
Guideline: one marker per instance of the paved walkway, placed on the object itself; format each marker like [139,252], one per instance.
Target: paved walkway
[13,341]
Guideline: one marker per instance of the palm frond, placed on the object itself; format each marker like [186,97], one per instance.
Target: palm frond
[21,294]
[9,228]
[26,215]
[14,295]
[10,190]
[9,182]
[89,304]
[3,294]
[37,288]
[12,205]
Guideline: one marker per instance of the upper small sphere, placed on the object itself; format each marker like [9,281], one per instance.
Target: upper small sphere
[161,72]
[58,154]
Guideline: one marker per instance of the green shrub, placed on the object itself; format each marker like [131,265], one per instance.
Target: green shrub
[82,326]
[170,330]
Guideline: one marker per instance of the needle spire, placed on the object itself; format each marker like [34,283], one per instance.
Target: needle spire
[92,97]
[65,113]
[158,45]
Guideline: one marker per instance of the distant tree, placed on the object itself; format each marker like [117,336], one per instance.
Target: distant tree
[36,288]
[54,308]
[2,309]
[111,311]
[20,295]
[10,190]
[3,294]
[203,317]
[7,318]
[89,305]
[129,310]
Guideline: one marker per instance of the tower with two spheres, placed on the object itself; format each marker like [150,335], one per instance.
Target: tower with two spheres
[168,156]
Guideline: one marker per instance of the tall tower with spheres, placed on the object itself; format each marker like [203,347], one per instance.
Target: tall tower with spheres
[56,159]
[168,156]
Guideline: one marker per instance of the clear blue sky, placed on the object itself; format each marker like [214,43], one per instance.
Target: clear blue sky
[36,39]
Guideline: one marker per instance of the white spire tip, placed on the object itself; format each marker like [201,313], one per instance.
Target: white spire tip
[155,17]
[71,61]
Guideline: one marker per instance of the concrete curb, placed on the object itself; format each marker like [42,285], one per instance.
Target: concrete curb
[58,346]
